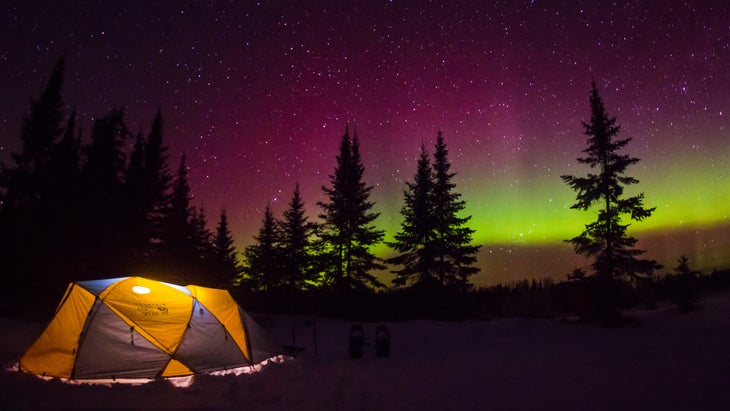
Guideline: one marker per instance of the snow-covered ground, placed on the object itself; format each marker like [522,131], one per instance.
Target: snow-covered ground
[667,361]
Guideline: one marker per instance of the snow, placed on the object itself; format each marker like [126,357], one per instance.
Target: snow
[668,360]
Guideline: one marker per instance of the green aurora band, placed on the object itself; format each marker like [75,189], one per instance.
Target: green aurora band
[522,223]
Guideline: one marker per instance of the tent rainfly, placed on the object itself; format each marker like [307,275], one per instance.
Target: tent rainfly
[133,327]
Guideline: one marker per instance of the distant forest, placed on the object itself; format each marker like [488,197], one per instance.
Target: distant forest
[72,210]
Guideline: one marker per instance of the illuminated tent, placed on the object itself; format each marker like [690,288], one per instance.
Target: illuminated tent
[133,327]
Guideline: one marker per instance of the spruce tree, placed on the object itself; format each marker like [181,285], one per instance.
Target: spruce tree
[64,198]
[158,178]
[134,175]
[453,253]
[684,285]
[136,204]
[178,237]
[606,240]
[104,194]
[28,221]
[66,159]
[225,262]
[106,160]
[26,184]
[42,125]
[180,211]
[415,241]
[347,231]
[261,269]
[202,243]
[295,234]
[147,185]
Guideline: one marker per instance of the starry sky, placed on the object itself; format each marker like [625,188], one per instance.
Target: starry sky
[258,94]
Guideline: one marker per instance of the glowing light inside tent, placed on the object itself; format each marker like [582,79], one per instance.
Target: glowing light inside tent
[140,289]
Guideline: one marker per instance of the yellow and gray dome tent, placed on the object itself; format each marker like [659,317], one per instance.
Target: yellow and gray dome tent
[133,327]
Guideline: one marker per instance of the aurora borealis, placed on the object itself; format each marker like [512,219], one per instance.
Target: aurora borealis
[258,94]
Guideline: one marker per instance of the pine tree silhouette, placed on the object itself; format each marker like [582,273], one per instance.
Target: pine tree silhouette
[104,195]
[295,234]
[614,252]
[66,159]
[415,240]
[146,197]
[454,253]
[179,251]
[136,204]
[347,231]
[203,246]
[261,269]
[225,261]
[158,179]
[685,285]
[26,183]
[42,124]
[63,200]
[29,231]
[106,160]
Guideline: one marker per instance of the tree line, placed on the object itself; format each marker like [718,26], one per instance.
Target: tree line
[433,245]
[71,210]
[75,211]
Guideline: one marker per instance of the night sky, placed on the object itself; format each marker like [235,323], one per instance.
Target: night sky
[258,95]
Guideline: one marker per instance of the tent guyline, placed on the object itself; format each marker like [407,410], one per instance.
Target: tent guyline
[133,327]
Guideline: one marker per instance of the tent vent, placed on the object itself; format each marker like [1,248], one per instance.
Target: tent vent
[201,311]
[131,335]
